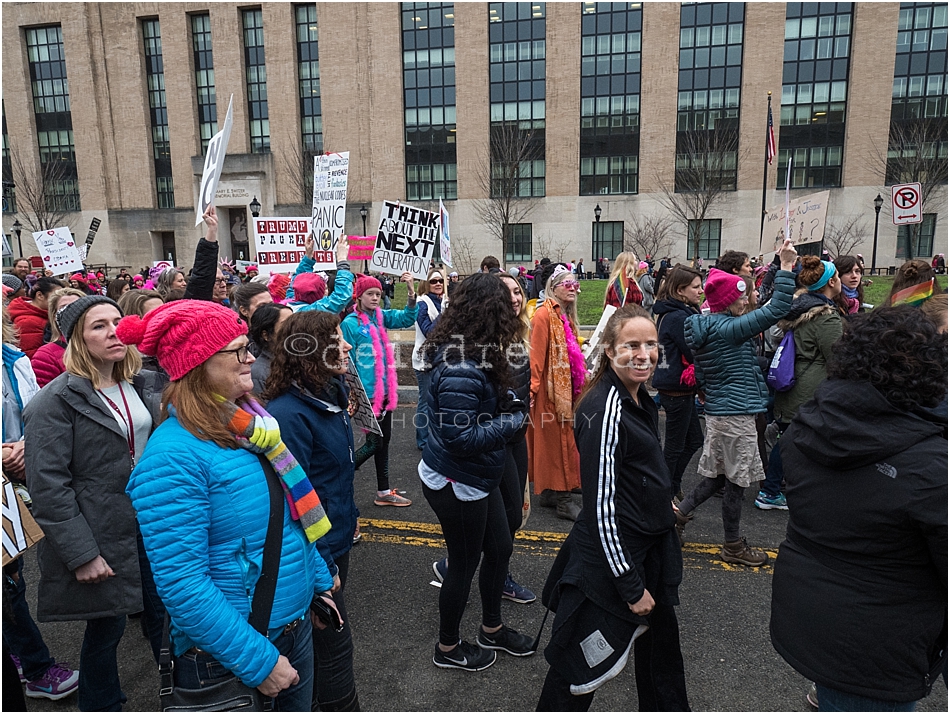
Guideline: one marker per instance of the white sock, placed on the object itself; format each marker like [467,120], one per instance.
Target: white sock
[383,493]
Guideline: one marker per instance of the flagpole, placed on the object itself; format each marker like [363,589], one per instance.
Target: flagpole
[765,174]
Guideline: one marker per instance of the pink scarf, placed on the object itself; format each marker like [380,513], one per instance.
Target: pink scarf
[575,357]
[386,390]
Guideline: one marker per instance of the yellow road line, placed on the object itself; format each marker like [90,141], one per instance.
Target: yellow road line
[702,556]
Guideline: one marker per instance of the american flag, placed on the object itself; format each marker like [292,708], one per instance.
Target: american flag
[770,149]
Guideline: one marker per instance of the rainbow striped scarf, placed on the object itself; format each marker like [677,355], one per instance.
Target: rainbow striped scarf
[257,431]
[914,295]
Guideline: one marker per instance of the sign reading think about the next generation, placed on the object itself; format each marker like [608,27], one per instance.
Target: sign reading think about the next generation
[405,240]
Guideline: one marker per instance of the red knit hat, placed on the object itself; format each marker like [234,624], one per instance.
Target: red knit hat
[722,289]
[364,283]
[277,285]
[182,334]
[309,287]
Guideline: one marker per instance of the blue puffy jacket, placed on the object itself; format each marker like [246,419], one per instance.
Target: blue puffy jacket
[466,437]
[334,302]
[318,434]
[363,355]
[727,368]
[203,511]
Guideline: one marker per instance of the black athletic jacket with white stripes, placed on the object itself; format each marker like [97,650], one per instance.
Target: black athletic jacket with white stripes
[625,534]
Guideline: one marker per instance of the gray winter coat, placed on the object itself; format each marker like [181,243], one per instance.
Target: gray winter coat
[77,466]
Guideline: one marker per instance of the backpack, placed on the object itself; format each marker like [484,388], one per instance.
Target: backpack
[781,375]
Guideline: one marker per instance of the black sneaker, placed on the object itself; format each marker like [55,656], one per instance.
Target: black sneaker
[464,656]
[506,640]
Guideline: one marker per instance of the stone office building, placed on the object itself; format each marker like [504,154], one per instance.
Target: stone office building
[612,106]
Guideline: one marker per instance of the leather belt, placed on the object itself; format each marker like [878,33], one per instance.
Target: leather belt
[289,627]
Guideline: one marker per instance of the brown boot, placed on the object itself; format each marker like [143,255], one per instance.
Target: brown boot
[566,508]
[547,499]
[739,552]
[681,522]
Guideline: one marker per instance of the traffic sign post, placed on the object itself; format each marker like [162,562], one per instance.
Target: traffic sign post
[905,204]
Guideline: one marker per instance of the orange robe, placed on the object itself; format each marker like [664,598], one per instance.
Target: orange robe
[553,461]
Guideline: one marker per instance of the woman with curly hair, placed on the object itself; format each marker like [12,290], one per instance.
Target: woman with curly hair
[867,529]
[475,414]
[307,396]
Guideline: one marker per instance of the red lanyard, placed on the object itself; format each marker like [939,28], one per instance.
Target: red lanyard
[130,436]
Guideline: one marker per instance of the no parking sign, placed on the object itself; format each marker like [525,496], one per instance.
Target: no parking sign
[906,204]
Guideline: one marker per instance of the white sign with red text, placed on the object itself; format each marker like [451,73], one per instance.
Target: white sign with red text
[279,243]
[330,176]
[58,250]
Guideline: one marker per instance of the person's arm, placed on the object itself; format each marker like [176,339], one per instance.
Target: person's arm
[830,332]
[745,327]
[423,320]
[201,284]
[464,429]
[401,319]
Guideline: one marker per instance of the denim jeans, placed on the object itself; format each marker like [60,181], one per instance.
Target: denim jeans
[197,670]
[99,688]
[423,413]
[833,700]
[775,471]
[684,436]
[333,651]
[22,635]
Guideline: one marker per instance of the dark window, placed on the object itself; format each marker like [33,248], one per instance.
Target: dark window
[54,124]
[168,246]
[308,70]
[519,243]
[9,190]
[607,239]
[710,77]
[517,75]
[158,113]
[709,232]
[610,97]
[256,75]
[428,70]
[814,93]
[921,236]
[204,79]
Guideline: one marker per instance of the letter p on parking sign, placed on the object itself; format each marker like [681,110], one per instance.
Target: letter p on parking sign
[906,204]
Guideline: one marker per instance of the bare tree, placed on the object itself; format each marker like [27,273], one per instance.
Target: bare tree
[547,246]
[649,235]
[464,260]
[844,235]
[297,166]
[42,198]
[706,167]
[505,176]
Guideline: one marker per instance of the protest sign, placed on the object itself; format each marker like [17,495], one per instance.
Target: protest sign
[279,243]
[361,247]
[806,219]
[243,265]
[19,529]
[58,251]
[359,407]
[445,243]
[591,348]
[162,264]
[330,174]
[7,250]
[214,163]
[405,240]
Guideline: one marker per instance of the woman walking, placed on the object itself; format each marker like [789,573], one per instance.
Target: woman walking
[645,281]
[430,305]
[614,582]
[622,285]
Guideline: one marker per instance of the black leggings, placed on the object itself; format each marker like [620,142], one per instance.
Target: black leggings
[513,479]
[471,529]
[731,503]
[378,447]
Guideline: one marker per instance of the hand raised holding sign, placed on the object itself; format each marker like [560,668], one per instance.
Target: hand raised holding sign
[787,254]
[342,248]
[410,285]
[210,218]
[308,244]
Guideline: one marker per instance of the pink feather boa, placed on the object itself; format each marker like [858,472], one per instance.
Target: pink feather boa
[386,390]
[575,357]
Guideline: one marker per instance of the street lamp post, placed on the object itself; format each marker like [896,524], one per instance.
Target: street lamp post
[878,202]
[363,214]
[255,207]
[17,227]
[597,233]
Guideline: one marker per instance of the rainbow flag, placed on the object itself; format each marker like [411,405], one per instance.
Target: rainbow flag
[914,295]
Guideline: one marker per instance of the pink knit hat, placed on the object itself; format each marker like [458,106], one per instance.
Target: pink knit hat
[722,289]
[277,285]
[309,287]
[182,334]
[364,283]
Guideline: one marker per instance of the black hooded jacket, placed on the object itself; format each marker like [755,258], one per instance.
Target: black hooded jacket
[670,319]
[859,594]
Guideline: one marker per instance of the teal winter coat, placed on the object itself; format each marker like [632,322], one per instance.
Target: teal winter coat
[363,354]
[727,368]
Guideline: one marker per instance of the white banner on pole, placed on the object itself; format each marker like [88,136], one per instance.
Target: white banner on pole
[58,251]
[214,163]
[330,175]
[804,218]
[445,242]
[405,240]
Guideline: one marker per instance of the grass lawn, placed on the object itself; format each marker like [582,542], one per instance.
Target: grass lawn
[590,304]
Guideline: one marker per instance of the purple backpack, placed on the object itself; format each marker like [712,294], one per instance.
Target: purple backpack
[782,370]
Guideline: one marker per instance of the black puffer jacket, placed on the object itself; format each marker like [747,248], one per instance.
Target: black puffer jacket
[467,434]
[520,385]
[203,272]
[670,319]
[859,594]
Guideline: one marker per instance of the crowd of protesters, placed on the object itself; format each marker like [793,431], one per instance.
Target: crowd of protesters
[219,505]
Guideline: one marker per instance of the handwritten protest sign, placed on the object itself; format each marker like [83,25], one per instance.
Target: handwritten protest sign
[58,251]
[19,529]
[214,163]
[280,244]
[330,172]
[445,243]
[359,408]
[592,348]
[405,240]
[361,247]
[163,264]
[806,219]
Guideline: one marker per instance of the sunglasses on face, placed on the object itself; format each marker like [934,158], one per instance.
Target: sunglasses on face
[569,285]
[436,281]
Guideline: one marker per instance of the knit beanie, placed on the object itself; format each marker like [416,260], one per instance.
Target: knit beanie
[182,334]
[722,289]
[277,285]
[364,283]
[78,277]
[67,318]
[309,287]
[12,282]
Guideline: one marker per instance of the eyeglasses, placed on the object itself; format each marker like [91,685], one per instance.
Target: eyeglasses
[436,281]
[221,281]
[240,352]
[569,285]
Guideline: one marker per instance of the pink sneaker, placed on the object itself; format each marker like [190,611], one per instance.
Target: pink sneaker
[58,682]
[392,499]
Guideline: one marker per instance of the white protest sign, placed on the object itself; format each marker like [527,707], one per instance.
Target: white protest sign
[163,264]
[592,349]
[7,250]
[214,163]
[19,529]
[445,242]
[243,265]
[59,252]
[359,407]
[330,173]
[806,219]
[279,243]
[405,240]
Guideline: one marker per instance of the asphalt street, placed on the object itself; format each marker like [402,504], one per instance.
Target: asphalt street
[393,608]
